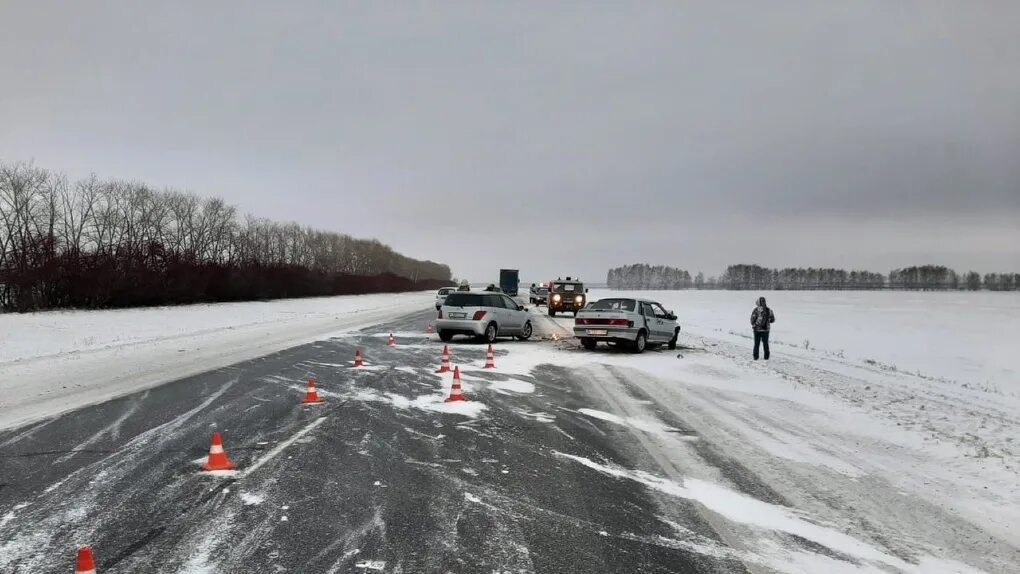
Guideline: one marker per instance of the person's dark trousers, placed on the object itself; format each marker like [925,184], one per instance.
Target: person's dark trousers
[761,337]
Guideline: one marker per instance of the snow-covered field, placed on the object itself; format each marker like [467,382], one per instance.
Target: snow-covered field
[57,361]
[967,337]
[928,462]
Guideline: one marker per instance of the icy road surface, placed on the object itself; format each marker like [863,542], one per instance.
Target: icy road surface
[697,460]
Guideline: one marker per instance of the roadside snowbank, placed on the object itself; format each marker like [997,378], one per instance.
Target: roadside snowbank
[57,361]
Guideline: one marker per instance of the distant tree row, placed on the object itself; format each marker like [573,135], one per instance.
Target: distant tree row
[643,276]
[925,277]
[109,243]
[793,278]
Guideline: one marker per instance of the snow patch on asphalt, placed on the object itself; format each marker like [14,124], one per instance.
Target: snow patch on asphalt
[434,403]
[508,386]
[743,509]
[537,416]
[251,499]
[642,424]
[283,445]
[512,386]
[221,473]
[13,512]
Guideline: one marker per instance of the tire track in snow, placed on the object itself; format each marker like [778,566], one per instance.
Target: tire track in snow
[47,522]
[113,429]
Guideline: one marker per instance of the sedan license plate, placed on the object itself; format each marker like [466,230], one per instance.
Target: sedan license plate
[598,332]
[458,315]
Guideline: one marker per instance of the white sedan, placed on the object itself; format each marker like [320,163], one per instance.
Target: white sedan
[638,323]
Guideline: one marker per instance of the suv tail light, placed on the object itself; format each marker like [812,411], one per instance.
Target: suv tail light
[440,314]
[479,315]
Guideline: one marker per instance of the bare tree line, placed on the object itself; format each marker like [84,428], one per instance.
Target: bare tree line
[923,277]
[643,276]
[99,243]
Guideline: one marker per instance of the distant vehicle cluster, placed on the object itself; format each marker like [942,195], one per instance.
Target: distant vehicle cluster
[493,312]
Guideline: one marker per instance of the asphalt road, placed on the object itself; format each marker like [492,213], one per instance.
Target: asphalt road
[366,482]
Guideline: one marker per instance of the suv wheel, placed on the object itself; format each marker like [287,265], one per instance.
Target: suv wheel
[639,344]
[490,333]
[552,312]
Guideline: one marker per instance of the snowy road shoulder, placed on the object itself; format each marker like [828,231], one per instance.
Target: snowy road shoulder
[55,362]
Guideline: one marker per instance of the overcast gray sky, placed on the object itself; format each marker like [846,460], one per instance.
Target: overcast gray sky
[558,138]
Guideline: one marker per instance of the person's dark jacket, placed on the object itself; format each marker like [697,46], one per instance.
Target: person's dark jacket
[762,317]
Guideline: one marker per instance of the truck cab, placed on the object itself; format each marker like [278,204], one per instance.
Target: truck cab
[566,295]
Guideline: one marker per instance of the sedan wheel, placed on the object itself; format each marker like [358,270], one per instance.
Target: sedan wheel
[526,332]
[640,343]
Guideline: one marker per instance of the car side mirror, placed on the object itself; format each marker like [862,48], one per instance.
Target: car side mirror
[585,290]
[671,316]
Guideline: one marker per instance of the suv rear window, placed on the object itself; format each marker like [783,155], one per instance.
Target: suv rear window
[613,305]
[494,301]
[462,299]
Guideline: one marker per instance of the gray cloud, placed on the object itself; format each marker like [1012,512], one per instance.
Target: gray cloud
[561,138]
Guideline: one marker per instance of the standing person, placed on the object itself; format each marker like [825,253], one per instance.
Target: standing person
[761,320]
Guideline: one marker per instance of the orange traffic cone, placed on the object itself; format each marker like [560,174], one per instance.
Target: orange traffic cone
[428,329]
[311,395]
[217,456]
[490,359]
[456,393]
[392,342]
[444,365]
[358,362]
[85,564]
[554,337]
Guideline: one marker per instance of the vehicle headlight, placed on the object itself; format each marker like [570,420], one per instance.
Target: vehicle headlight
[578,299]
[556,298]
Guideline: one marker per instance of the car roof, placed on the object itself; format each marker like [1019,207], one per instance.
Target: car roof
[480,294]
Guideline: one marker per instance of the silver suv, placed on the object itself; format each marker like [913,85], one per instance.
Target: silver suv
[482,315]
[638,323]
